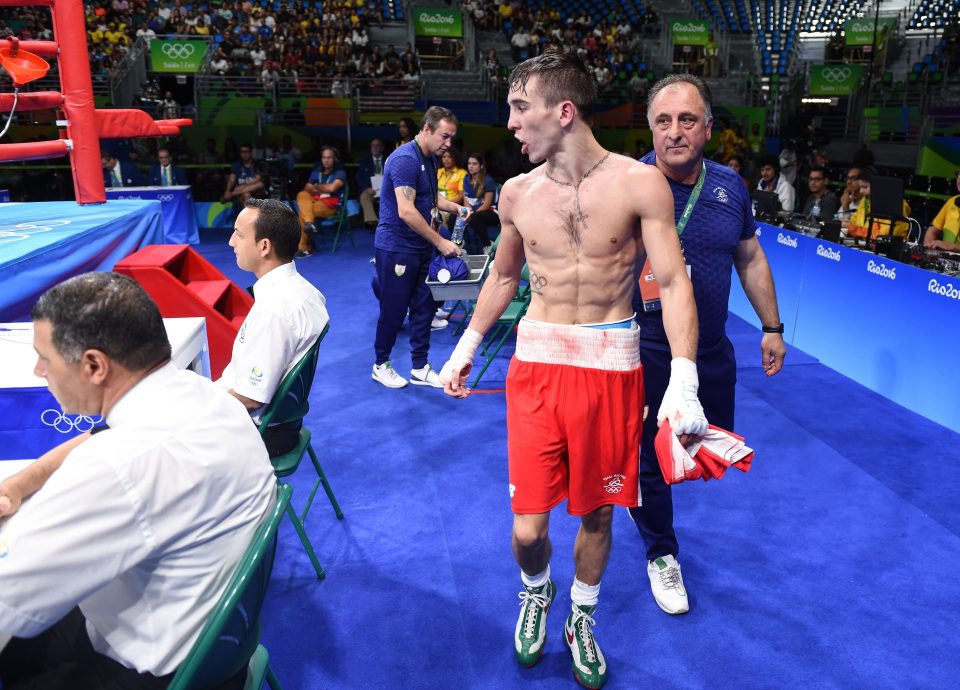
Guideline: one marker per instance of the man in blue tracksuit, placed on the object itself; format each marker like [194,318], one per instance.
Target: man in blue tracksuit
[405,243]
[717,232]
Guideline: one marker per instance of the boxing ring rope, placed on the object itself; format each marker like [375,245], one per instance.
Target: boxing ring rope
[84,124]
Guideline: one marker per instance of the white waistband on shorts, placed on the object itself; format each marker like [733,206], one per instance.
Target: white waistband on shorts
[614,349]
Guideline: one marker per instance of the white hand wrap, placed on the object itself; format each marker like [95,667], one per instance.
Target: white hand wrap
[680,405]
[458,366]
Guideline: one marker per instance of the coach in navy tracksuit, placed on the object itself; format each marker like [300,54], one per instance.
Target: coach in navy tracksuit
[405,243]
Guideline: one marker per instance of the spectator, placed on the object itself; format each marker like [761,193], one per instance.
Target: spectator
[320,198]
[772,181]
[822,204]
[169,108]
[857,227]
[369,177]
[165,173]
[480,194]
[244,180]
[850,198]
[735,163]
[944,230]
[406,130]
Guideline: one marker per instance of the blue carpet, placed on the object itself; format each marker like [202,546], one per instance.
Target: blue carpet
[831,565]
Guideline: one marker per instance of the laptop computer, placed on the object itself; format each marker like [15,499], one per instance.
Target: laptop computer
[766,204]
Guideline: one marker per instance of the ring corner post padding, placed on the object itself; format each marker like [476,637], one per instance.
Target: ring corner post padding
[183,283]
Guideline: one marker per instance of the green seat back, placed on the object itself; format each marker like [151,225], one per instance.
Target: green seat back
[290,402]
[232,632]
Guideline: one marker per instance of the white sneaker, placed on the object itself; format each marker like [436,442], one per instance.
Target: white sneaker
[666,583]
[442,313]
[425,377]
[388,376]
[438,324]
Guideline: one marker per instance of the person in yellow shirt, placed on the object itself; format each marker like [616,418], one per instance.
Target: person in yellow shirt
[944,231]
[450,177]
[858,223]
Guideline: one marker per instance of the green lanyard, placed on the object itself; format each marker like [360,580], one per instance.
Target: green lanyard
[692,201]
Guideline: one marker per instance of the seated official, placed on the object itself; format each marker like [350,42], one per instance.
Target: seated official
[244,181]
[118,173]
[772,181]
[165,173]
[320,198]
[857,226]
[450,182]
[850,198]
[822,204]
[367,168]
[130,535]
[287,316]
[944,231]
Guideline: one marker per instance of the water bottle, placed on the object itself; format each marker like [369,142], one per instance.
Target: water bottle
[458,228]
[815,211]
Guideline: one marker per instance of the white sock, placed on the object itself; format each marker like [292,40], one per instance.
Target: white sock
[584,595]
[538,580]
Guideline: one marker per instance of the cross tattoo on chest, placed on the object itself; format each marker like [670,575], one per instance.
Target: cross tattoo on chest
[581,217]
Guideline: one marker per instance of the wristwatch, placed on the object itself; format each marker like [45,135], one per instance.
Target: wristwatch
[774,329]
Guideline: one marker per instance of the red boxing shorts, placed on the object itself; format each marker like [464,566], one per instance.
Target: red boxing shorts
[574,416]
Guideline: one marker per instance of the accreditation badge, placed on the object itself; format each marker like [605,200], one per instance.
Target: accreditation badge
[650,289]
[399,269]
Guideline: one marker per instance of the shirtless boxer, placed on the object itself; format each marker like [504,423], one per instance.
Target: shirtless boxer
[583,221]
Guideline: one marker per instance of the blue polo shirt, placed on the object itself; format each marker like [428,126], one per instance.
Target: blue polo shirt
[245,174]
[319,177]
[722,218]
[405,167]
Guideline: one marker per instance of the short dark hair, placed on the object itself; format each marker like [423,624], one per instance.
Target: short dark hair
[561,77]
[435,115]
[277,223]
[867,173]
[245,145]
[107,312]
[820,169]
[771,160]
[673,80]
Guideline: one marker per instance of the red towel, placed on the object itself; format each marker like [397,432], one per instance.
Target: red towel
[706,459]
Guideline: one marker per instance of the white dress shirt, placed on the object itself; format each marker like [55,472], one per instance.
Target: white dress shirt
[287,317]
[142,525]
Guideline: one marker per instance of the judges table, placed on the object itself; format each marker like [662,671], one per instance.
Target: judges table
[176,207]
[887,325]
[31,421]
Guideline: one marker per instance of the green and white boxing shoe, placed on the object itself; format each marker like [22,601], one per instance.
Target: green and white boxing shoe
[531,633]
[589,666]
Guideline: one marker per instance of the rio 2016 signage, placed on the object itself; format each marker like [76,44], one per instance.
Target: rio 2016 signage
[690,32]
[859,32]
[436,21]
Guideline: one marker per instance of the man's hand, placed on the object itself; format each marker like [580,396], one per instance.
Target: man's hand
[680,405]
[10,500]
[447,248]
[773,351]
[455,372]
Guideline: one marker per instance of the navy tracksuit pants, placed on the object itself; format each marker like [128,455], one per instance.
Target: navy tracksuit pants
[717,370]
[402,286]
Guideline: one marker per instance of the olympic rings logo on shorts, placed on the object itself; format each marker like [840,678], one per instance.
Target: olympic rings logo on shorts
[833,75]
[64,424]
[178,51]
[22,231]
[164,197]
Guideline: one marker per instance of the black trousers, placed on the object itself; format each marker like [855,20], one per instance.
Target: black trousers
[62,658]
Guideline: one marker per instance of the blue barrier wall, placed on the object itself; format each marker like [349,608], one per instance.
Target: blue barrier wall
[892,327]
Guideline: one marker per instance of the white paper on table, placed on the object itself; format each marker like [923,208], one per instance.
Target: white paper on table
[376,181]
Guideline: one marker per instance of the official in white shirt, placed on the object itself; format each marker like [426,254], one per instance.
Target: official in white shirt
[287,317]
[116,561]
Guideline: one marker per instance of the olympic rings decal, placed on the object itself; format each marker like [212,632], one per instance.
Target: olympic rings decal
[64,424]
[833,75]
[178,51]
[22,231]
[164,197]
